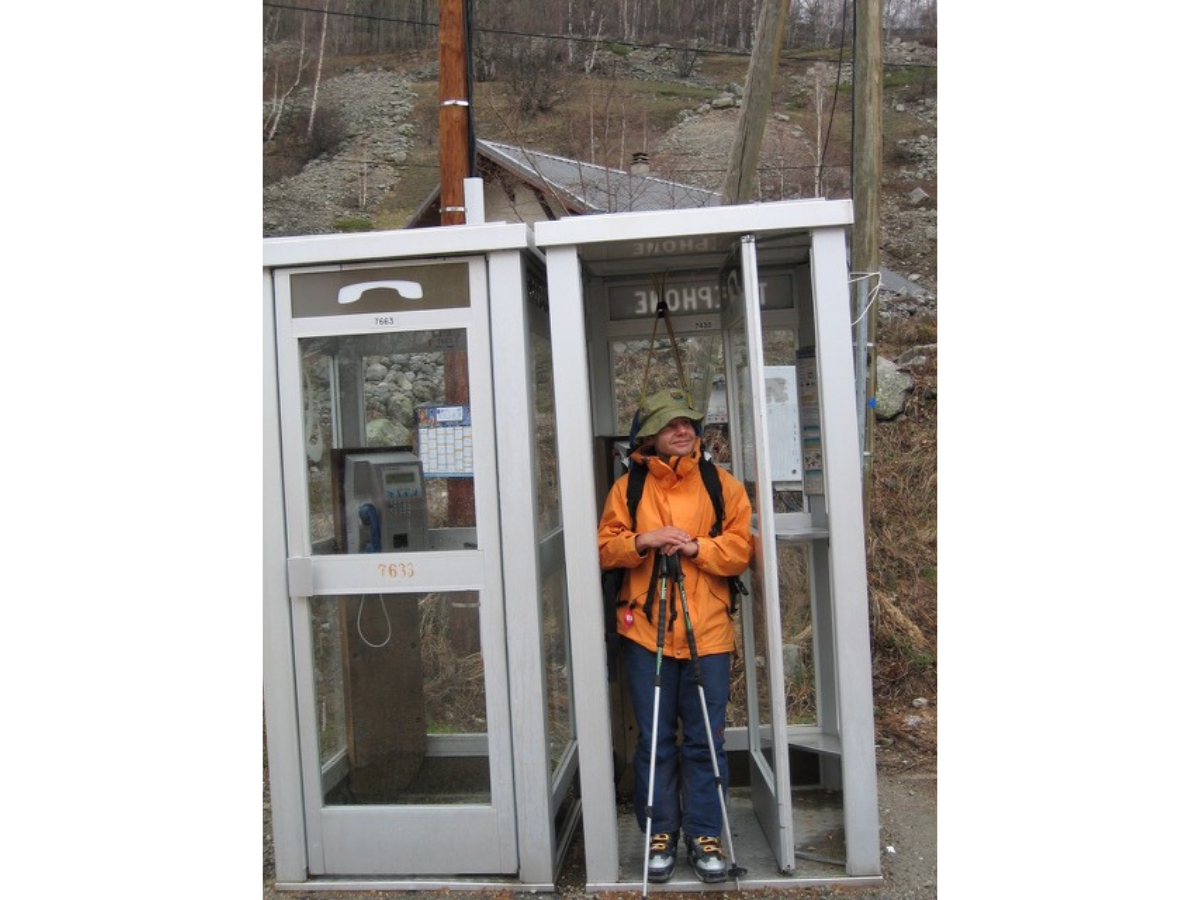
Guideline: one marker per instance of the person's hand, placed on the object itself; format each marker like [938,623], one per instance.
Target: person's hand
[669,539]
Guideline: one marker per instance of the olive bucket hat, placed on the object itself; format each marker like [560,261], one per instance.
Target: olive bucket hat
[659,409]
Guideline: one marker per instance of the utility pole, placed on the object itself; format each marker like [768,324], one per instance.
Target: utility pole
[864,253]
[454,153]
[740,175]
[454,148]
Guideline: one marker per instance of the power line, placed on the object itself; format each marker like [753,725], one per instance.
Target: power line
[833,105]
[350,15]
[510,32]
[818,55]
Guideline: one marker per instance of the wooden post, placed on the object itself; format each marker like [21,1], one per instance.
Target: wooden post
[868,155]
[460,491]
[740,175]
[454,114]
[454,151]
[385,697]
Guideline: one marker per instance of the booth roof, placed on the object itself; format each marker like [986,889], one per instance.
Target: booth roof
[586,188]
[597,189]
[582,188]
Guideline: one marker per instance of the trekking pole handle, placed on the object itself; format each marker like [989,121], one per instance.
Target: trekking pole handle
[663,565]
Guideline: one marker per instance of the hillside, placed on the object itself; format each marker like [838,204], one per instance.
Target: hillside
[374,161]
[373,158]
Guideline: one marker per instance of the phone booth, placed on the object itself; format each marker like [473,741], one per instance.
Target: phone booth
[419,721]
[759,305]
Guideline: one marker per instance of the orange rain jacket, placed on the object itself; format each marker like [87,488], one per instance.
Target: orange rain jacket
[674,494]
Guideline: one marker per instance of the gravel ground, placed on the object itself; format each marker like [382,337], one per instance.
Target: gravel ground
[907,837]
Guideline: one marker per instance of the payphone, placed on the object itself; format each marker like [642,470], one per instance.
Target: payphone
[384,503]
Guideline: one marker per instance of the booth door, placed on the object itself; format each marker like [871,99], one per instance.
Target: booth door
[762,640]
[394,570]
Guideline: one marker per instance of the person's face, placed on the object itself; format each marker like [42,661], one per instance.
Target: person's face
[676,438]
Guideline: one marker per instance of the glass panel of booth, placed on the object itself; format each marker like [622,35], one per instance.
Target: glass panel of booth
[700,356]
[555,652]
[784,402]
[757,686]
[388,436]
[553,599]
[399,693]
[754,438]
[787,394]
[549,512]
[703,363]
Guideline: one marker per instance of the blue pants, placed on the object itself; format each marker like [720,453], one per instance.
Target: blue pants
[685,791]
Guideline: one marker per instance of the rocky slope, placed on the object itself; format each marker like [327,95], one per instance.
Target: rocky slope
[373,108]
[345,188]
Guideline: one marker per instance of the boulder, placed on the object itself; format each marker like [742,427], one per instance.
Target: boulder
[892,387]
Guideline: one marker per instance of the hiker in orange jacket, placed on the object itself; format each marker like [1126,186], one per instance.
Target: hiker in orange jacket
[675,517]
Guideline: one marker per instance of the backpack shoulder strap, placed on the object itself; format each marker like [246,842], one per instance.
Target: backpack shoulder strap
[712,481]
[633,491]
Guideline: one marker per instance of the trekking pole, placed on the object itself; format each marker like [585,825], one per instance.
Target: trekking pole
[673,563]
[662,618]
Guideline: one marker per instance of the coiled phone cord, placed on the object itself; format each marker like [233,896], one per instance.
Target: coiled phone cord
[362,601]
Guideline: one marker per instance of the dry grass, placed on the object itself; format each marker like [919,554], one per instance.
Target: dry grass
[452,665]
[902,537]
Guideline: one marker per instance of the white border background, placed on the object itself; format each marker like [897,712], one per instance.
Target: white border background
[1067,403]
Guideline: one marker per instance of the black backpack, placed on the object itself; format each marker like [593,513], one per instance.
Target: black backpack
[611,579]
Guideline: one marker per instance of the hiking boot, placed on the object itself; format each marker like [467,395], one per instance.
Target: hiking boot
[707,858]
[662,857]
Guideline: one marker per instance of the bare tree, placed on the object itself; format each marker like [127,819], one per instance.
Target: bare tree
[312,109]
[819,22]
[598,21]
[820,73]
[277,105]
[911,17]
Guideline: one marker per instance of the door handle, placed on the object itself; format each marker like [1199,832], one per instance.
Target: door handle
[351,293]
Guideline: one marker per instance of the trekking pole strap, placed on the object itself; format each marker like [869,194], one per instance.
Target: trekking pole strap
[661,311]
[649,357]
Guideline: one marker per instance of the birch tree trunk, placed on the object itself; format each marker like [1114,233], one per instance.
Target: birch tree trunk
[279,101]
[571,32]
[312,109]
[819,102]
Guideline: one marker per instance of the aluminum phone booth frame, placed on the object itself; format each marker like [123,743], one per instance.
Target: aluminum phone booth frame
[593,264]
[529,315]
[375,783]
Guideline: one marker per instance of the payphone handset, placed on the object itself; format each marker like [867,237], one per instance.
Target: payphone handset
[384,503]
